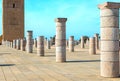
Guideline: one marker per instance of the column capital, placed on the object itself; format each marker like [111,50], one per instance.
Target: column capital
[60,19]
[96,34]
[29,31]
[71,36]
[109,5]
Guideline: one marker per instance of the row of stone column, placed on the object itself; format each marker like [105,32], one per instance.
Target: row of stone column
[46,42]
[27,44]
[18,44]
[39,43]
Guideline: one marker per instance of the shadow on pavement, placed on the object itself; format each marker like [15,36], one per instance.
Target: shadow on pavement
[73,61]
[4,65]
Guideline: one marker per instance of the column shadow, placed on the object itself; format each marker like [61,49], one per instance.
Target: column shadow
[75,61]
[50,55]
[5,53]
[4,65]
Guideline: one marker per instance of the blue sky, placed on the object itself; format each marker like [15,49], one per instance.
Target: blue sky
[83,16]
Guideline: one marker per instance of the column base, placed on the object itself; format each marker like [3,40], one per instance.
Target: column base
[110,69]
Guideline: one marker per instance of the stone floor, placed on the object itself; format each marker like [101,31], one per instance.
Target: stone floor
[20,66]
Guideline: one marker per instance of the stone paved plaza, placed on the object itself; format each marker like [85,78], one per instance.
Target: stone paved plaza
[16,65]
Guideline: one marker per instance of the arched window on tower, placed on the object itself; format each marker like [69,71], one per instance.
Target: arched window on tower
[14,5]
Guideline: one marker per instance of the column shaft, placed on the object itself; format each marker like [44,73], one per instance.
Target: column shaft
[92,46]
[109,42]
[18,44]
[29,45]
[48,45]
[23,44]
[60,39]
[82,42]
[40,46]
[71,44]
[14,44]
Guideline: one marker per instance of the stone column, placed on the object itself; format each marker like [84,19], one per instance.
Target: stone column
[60,39]
[99,44]
[71,44]
[8,43]
[35,43]
[87,42]
[29,44]
[2,42]
[92,48]
[14,44]
[96,41]
[51,41]
[82,42]
[5,42]
[11,44]
[40,46]
[109,13]
[66,43]
[45,42]
[18,44]
[48,45]
[23,44]
[76,43]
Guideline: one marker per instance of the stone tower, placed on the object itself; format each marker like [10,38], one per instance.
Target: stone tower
[13,19]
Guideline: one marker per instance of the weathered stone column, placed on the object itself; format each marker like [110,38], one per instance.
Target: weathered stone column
[82,42]
[66,43]
[96,41]
[35,43]
[8,43]
[109,13]
[75,43]
[40,46]
[29,44]
[48,45]
[45,42]
[18,44]
[87,42]
[99,44]
[92,48]
[51,41]
[5,42]
[23,44]
[14,44]
[2,42]
[11,44]
[60,39]
[71,44]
